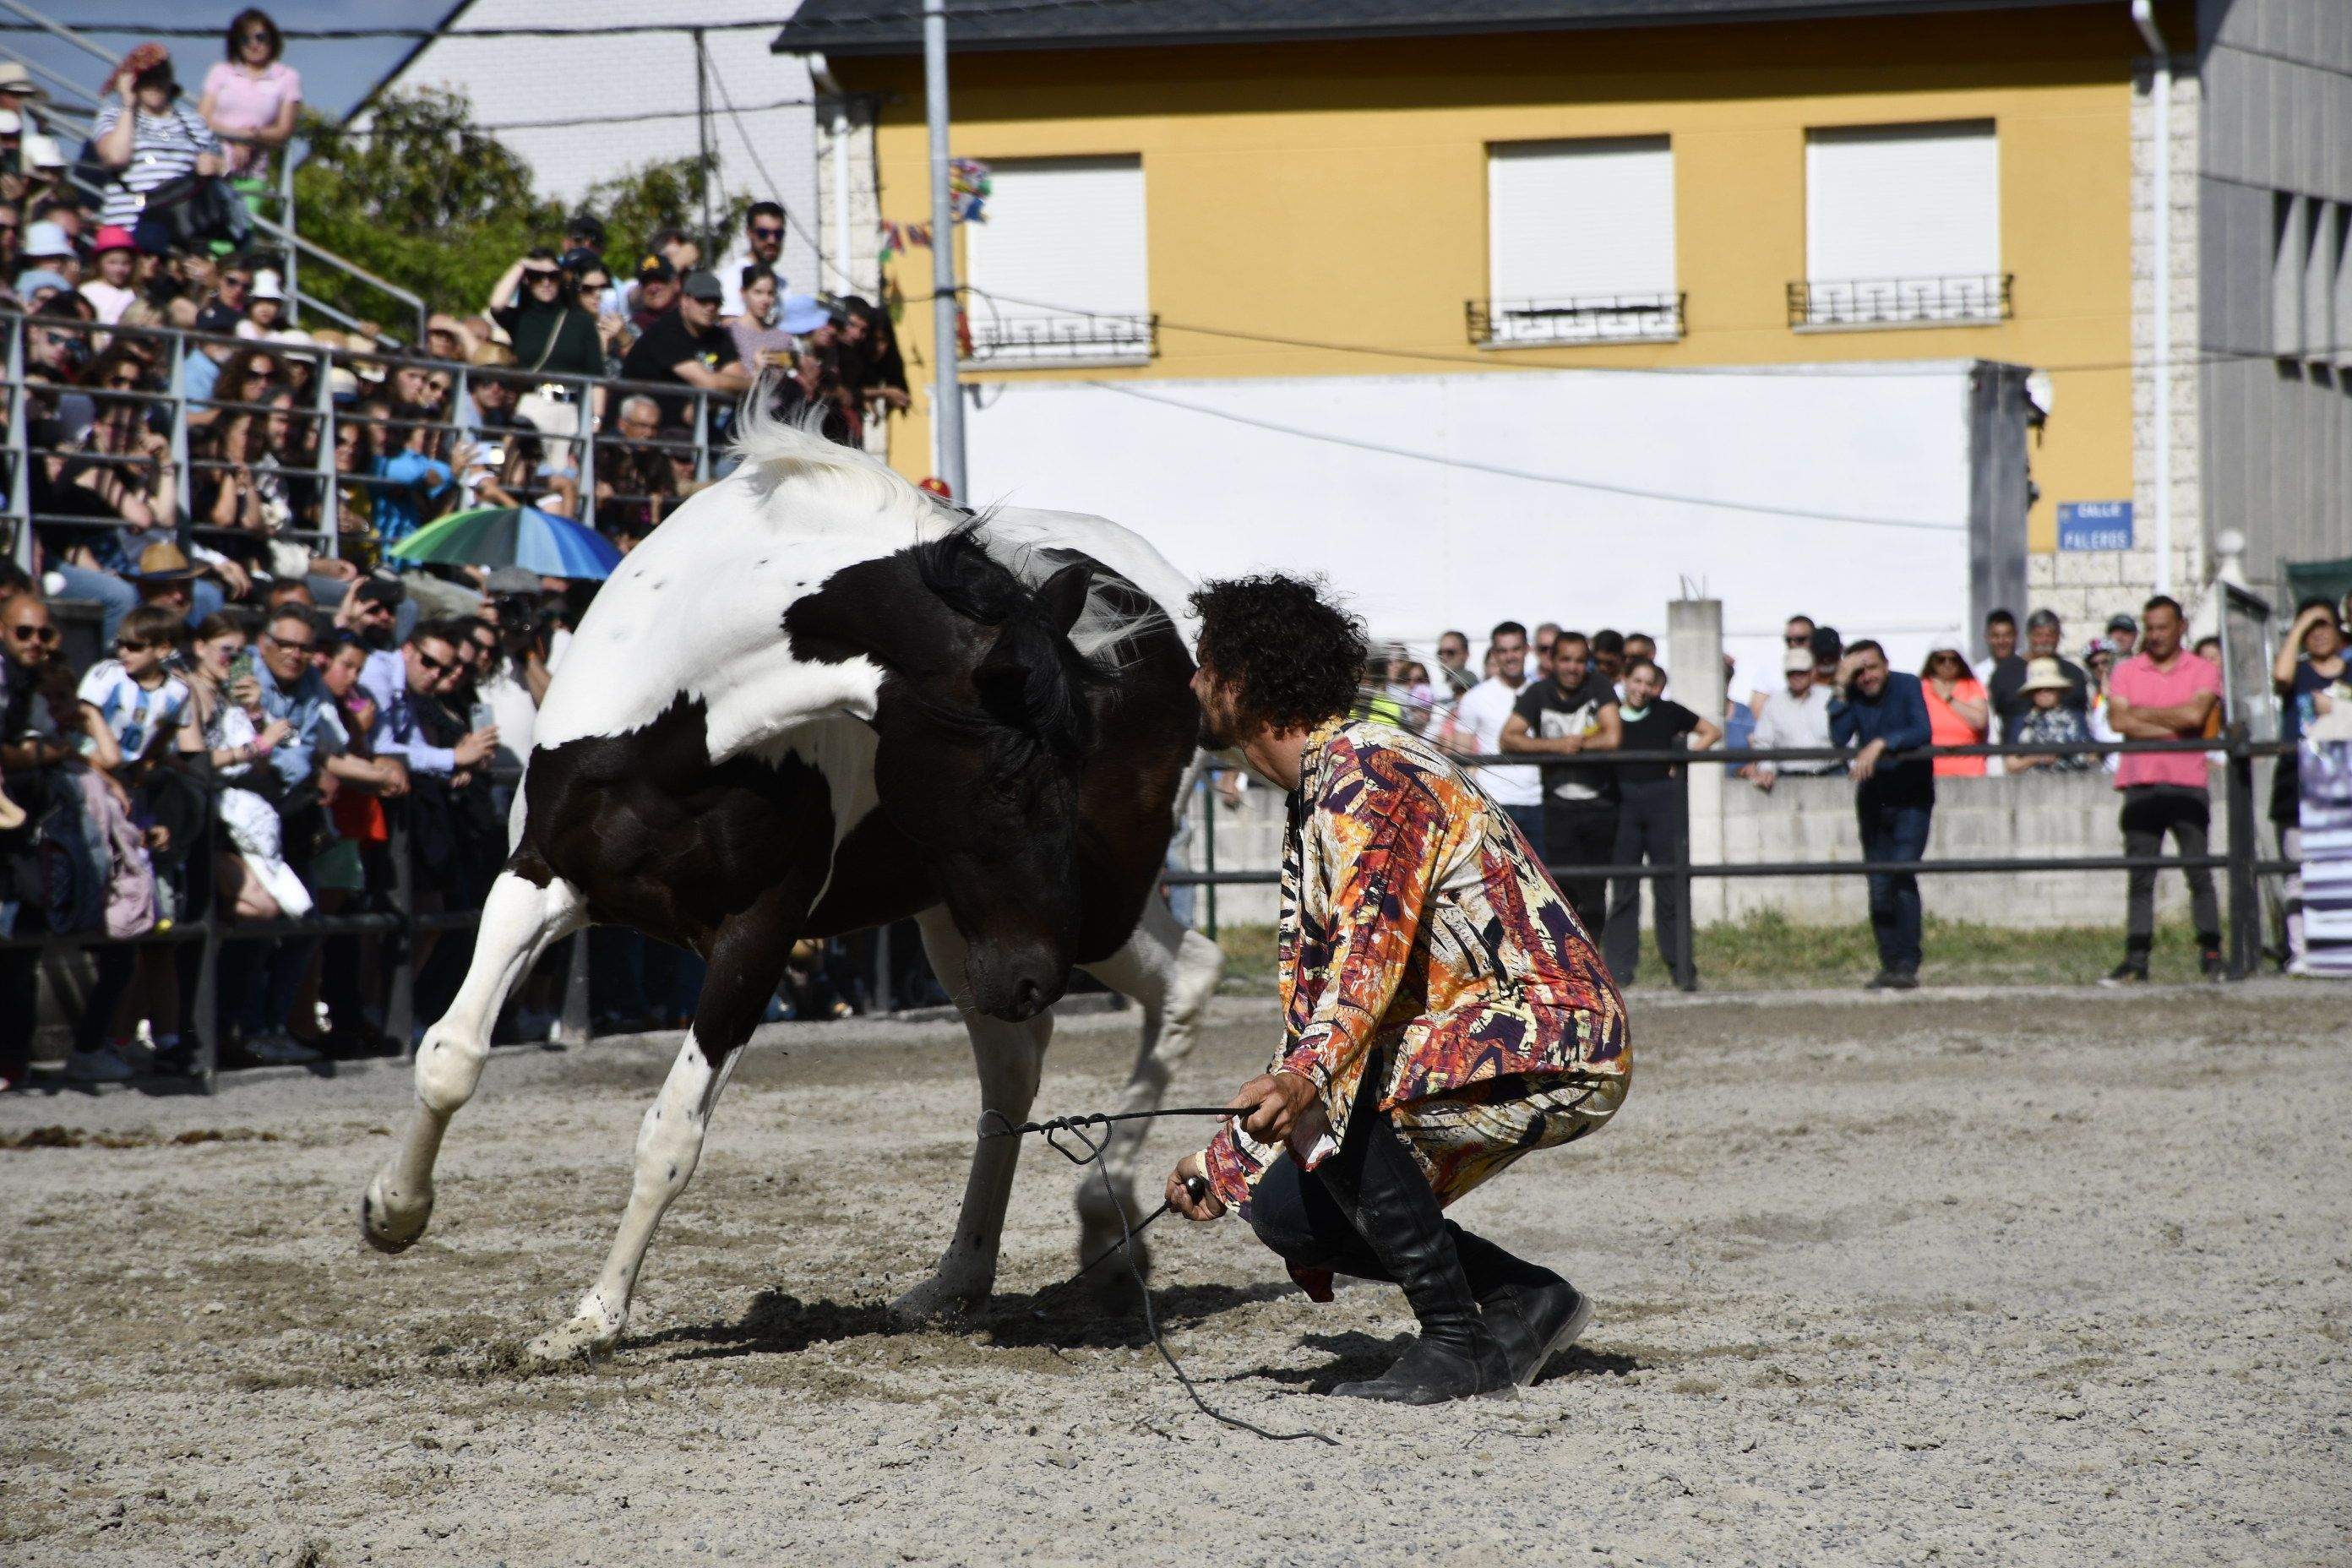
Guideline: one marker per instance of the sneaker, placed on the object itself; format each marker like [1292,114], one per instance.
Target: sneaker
[177,1060]
[2128,972]
[104,1064]
[279,1048]
[1902,980]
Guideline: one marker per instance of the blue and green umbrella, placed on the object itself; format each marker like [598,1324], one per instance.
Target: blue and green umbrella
[520,536]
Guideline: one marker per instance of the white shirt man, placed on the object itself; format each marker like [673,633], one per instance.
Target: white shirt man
[1797,716]
[1486,708]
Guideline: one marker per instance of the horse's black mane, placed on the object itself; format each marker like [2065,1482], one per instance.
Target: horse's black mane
[1052,708]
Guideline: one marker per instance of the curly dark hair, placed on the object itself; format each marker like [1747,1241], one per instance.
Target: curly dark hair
[1292,660]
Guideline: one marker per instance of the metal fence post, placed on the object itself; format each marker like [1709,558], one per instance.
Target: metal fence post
[1686,961]
[2245,906]
[1208,848]
[586,395]
[400,979]
[330,495]
[20,453]
[574,1026]
[182,501]
[207,1003]
[286,219]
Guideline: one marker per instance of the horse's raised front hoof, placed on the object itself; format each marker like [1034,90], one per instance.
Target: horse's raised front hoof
[391,1225]
[944,1297]
[585,1335]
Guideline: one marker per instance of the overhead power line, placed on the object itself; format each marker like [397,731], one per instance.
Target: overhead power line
[1601,485]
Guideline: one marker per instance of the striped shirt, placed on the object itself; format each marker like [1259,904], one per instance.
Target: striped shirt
[164,147]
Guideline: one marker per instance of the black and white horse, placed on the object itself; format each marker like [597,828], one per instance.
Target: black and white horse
[813,701]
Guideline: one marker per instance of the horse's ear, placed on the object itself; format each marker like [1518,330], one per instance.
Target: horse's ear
[1062,598]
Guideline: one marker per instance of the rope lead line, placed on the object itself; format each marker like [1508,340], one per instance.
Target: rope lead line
[1092,1135]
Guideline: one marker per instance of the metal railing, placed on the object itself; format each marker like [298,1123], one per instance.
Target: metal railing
[314,416]
[1062,338]
[1580,318]
[2241,860]
[1901,301]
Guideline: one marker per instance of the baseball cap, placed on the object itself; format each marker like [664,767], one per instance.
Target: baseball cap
[385,591]
[656,269]
[587,226]
[217,318]
[705,286]
[1828,647]
[46,239]
[11,122]
[41,151]
[2120,622]
[1795,660]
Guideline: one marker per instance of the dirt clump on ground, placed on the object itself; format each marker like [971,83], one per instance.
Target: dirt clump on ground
[2002,1276]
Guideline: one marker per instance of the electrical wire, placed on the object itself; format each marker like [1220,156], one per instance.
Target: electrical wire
[775,192]
[582,120]
[1601,485]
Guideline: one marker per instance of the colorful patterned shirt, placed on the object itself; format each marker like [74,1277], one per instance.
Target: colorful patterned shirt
[1416,922]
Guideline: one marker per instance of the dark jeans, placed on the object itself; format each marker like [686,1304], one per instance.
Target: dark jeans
[1530,819]
[1894,833]
[1649,831]
[1582,833]
[2151,811]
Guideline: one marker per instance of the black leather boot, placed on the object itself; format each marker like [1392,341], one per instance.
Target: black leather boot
[1385,1193]
[1533,1313]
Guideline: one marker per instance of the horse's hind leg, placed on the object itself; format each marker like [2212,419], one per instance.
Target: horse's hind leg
[1009,1058]
[1171,972]
[747,961]
[519,918]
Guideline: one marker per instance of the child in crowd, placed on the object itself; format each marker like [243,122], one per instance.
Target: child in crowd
[137,705]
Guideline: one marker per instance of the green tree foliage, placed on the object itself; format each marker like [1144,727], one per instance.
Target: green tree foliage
[666,193]
[422,197]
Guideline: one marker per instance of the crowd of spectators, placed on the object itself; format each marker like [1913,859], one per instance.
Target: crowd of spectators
[1559,696]
[223,693]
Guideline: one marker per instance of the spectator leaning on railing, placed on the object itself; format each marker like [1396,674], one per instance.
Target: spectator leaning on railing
[1883,711]
[251,98]
[2165,693]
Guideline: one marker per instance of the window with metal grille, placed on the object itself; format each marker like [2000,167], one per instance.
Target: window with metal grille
[1902,227]
[1058,269]
[1580,243]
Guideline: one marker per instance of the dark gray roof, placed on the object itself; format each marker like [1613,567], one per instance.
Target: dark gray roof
[895,26]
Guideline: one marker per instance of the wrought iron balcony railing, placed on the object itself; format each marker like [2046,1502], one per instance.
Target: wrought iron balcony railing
[1580,318]
[1900,301]
[1063,337]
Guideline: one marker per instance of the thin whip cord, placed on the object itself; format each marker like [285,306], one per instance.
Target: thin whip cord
[1090,1151]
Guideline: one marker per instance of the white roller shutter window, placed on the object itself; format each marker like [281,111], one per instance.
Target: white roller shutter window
[1911,211]
[1587,223]
[1064,242]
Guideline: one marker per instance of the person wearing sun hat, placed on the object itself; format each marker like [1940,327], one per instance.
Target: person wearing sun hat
[2049,721]
[152,139]
[109,293]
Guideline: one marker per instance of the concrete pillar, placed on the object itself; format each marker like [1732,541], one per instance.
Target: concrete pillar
[1695,678]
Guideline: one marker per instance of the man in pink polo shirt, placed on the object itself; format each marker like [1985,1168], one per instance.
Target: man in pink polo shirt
[2164,692]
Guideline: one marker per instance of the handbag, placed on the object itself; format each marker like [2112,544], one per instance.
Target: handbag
[551,406]
[196,209]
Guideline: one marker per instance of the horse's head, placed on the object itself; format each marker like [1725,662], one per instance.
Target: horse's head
[978,762]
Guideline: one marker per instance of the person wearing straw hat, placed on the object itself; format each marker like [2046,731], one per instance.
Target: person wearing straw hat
[2050,722]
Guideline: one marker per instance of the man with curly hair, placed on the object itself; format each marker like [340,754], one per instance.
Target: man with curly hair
[1443,1012]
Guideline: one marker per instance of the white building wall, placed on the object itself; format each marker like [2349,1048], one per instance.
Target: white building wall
[766,149]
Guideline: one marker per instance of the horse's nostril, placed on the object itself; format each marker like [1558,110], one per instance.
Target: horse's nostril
[1027,996]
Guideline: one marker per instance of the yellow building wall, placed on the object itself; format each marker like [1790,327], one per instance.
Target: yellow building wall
[1336,192]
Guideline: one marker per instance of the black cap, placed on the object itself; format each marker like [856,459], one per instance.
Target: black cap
[385,591]
[586,225]
[217,318]
[1828,648]
[656,269]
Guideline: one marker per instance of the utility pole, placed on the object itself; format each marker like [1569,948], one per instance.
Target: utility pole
[704,162]
[947,392]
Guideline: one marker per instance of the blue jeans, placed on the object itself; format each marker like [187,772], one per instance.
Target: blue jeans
[1530,819]
[1894,833]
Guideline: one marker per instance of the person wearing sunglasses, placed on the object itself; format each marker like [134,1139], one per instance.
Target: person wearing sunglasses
[763,234]
[251,97]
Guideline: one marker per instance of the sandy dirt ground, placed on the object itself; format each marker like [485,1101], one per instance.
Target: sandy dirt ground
[2055,1278]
